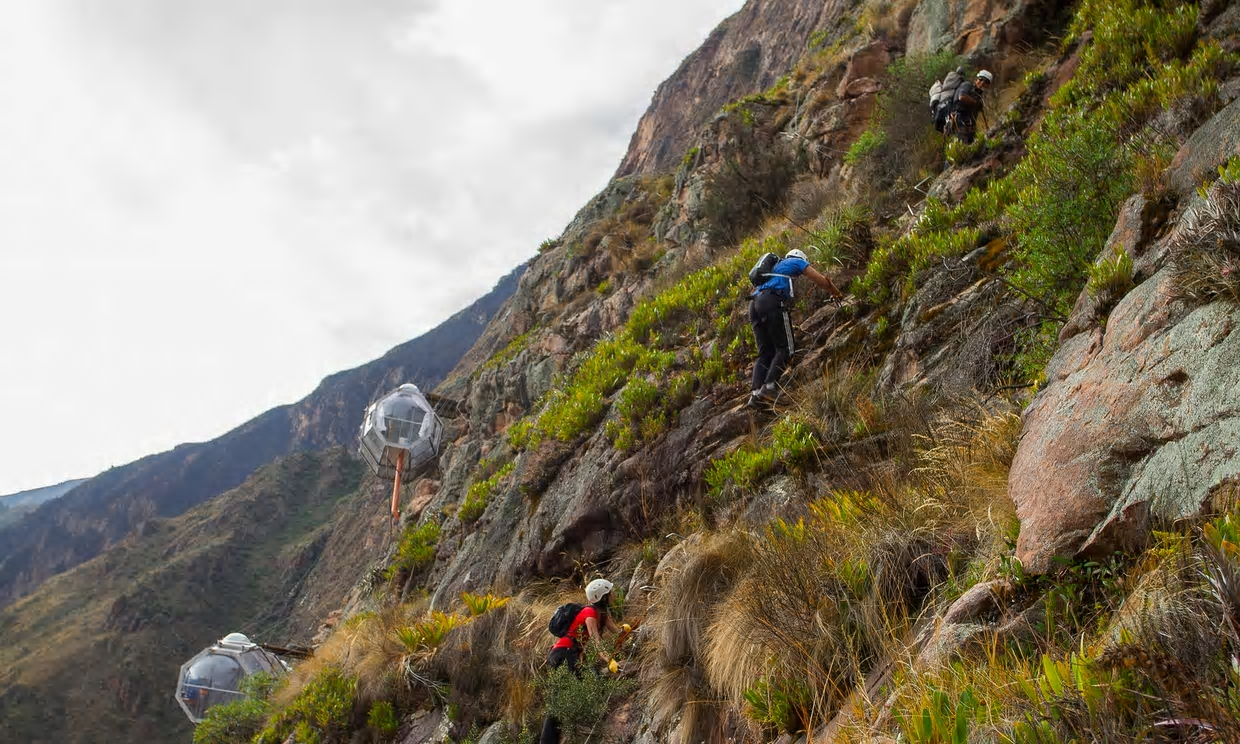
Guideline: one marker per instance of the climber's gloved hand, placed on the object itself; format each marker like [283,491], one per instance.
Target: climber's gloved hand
[626,628]
[613,667]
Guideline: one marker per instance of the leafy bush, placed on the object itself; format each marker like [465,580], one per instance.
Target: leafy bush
[865,146]
[321,711]
[795,441]
[1072,183]
[580,702]
[743,468]
[638,355]
[1110,278]
[841,235]
[428,633]
[1229,172]
[417,548]
[238,721]
[479,494]
[901,147]
[382,718]
[778,704]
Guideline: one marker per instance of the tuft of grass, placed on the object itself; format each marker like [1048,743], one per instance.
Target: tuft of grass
[1110,278]
[479,494]
[416,549]
[482,604]
[742,468]
[1205,257]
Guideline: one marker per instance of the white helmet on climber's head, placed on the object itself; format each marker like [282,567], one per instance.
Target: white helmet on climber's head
[985,75]
[797,253]
[598,589]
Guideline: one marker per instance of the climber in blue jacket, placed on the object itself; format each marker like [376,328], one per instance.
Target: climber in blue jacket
[772,326]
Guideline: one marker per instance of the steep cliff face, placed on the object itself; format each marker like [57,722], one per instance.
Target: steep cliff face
[744,55]
[103,510]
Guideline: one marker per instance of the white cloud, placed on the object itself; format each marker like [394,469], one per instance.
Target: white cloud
[208,205]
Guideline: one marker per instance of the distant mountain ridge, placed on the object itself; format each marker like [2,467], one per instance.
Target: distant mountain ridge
[100,512]
[14,506]
[36,496]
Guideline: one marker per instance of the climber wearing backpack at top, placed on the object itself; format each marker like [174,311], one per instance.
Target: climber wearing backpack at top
[768,314]
[967,104]
[575,625]
[956,103]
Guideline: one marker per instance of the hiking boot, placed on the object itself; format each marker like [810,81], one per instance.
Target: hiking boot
[763,397]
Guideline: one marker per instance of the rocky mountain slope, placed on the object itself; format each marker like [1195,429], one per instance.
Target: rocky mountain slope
[996,500]
[104,510]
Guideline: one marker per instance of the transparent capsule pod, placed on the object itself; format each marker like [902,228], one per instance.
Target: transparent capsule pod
[215,674]
[400,432]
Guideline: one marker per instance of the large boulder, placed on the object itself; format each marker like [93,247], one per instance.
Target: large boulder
[1138,424]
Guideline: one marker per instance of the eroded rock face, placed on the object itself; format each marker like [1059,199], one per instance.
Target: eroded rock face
[744,55]
[1137,423]
[1216,140]
[954,327]
[969,26]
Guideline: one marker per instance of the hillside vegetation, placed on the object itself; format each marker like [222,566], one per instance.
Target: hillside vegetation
[882,559]
[848,570]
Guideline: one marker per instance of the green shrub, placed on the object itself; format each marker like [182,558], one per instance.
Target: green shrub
[866,145]
[638,356]
[842,235]
[321,711]
[1229,172]
[743,468]
[482,604]
[779,704]
[1111,278]
[580,702]
[239,720]
[417,548]
[382,718]
[428,633]
[900,148]
[1072,183]
[479,494]
[690,156]
[796,443]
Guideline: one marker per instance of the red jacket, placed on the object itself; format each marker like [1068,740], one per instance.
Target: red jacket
[577,631]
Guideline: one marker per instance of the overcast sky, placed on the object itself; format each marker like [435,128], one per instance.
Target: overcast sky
[206,206]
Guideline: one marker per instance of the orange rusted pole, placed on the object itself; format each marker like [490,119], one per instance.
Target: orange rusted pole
[400,467]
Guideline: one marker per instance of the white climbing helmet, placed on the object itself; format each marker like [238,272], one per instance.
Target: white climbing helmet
[797,253]
[985,75]
[598,589]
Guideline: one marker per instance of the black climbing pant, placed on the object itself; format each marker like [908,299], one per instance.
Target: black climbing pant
[551,727]
[772,329]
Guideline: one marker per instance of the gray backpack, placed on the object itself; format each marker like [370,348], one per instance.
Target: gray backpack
[943,90]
